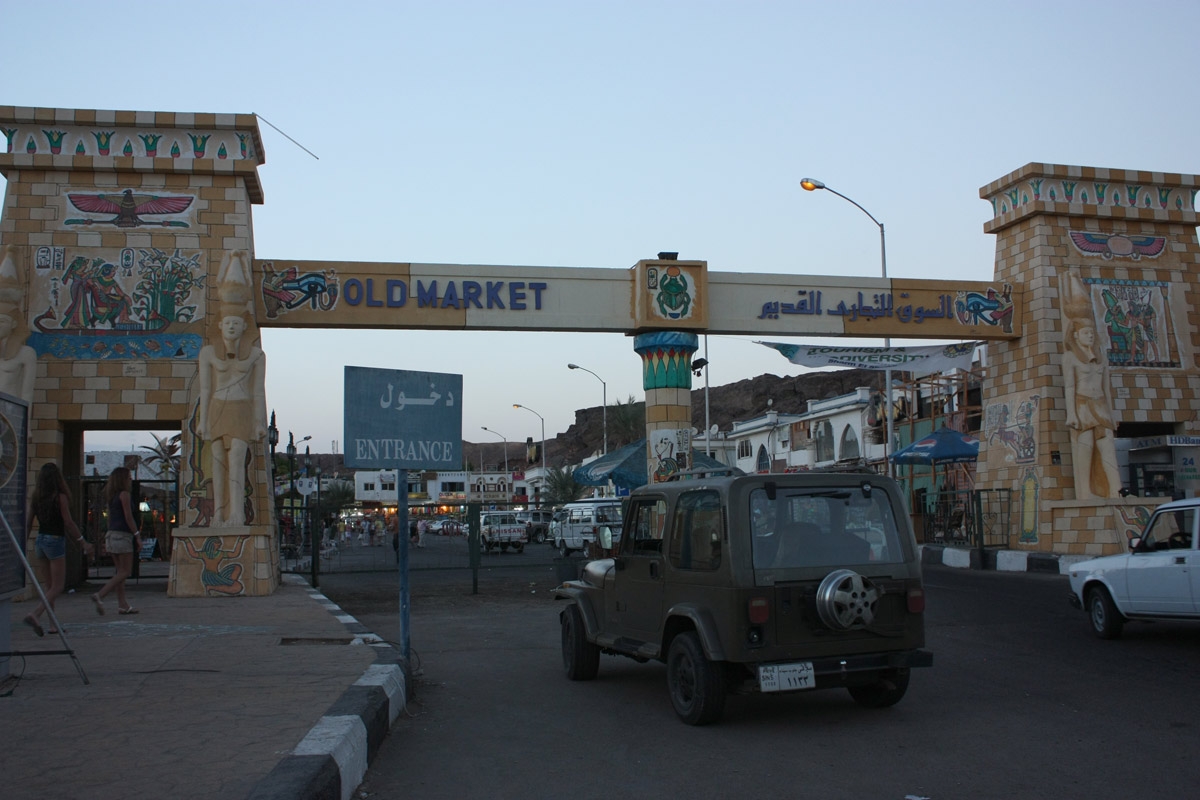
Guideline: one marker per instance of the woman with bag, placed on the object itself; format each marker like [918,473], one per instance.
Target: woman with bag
[51,507]
[123,541]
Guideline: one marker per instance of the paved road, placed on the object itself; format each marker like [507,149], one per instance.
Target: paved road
[1022,702]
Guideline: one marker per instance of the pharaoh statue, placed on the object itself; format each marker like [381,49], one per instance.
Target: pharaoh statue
[18,362]
[1088,397]
[233,410]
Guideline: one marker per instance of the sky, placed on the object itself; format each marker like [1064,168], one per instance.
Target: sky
[595,134]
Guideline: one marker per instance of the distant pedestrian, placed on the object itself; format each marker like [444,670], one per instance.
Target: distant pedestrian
[51,507]
[396,538]
[123,541]
[422,529]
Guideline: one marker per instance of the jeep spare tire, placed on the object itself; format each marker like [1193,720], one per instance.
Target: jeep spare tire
[846,601]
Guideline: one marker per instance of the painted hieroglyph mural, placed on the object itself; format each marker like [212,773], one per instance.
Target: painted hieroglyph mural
[122,303]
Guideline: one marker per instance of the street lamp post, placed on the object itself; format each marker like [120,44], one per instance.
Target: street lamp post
[812,185]
[502,436]
[307,516]
[316,550]
[291,454]
[273,440]
[604,394]
[543,419]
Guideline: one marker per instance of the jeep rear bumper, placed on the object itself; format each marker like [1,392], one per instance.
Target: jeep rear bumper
[871,662]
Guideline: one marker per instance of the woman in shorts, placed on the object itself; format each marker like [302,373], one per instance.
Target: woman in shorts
[122,542]
[51,507]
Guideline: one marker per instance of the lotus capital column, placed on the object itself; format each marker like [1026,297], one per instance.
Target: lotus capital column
[667,379]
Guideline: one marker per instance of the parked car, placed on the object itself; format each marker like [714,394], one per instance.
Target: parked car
[500,529]
[758,583]
[1158,578]
[537,524]
[584,524]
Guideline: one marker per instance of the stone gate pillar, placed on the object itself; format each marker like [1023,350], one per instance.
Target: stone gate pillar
[670,302]
[1109,262]
[118,224]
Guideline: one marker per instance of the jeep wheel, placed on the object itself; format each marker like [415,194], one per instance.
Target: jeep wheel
[539,537]
[581,658]
[846,600]
[1106,621]
[885,692]
[696,685]
[563,550]
[487,546]
[519,547]
[504,547]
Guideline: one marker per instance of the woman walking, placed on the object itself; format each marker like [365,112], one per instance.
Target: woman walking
[122,541]
[51,507]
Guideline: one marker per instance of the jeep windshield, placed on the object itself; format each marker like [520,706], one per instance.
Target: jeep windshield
[825,527]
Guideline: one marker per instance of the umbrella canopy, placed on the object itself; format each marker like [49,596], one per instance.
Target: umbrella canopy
[626,467]
[943,446]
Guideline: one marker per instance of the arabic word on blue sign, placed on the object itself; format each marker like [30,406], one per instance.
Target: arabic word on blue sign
[397,419]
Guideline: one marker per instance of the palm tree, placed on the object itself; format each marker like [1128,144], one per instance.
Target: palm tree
[334,497]
[626,423]
[164,455]
[561,487]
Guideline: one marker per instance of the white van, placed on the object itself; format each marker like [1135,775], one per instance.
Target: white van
[583,523]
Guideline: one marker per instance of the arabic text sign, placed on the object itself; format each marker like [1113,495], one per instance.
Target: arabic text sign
[918,360]
[396,419]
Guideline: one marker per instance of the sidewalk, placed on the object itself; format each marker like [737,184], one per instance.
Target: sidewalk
[280,696]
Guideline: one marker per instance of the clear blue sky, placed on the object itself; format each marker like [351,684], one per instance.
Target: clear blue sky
[593,134]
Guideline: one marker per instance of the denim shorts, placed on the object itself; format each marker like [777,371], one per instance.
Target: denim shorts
[51,547]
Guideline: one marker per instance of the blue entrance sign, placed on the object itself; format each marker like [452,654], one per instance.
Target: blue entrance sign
[396,419]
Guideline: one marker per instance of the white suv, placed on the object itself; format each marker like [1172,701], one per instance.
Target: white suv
[584,523]
[501,529]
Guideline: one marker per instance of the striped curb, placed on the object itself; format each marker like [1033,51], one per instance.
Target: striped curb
[332,759]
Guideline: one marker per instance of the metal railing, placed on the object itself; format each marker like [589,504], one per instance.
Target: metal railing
[446,545]
[971,518]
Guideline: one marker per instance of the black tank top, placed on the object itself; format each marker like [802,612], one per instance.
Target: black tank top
[49,517]
[116,515]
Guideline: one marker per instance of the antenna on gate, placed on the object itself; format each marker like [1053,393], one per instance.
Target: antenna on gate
[290,139]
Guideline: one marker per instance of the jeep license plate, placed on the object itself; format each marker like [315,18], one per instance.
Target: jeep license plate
[786,677]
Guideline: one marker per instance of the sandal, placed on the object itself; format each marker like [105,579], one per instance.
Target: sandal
[125,611]
[99,604]
[35,625]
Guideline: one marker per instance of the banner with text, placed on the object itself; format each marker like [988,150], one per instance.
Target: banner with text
[918,360]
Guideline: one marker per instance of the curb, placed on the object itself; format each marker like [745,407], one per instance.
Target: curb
[999,560]
[331,760]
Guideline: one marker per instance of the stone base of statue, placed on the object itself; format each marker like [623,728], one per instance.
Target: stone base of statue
[1095,527]
[240,561]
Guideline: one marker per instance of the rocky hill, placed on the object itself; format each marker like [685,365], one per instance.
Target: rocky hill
[734,401]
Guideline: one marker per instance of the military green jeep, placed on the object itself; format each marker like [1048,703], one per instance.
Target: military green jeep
[757,583]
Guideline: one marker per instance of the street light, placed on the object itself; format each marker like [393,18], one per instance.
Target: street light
[543,419]
[291,454]
[604,393]
[273,440]
[812,185]
[501,435]
[307,516]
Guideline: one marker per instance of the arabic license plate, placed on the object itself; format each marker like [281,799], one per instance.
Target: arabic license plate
[786,677]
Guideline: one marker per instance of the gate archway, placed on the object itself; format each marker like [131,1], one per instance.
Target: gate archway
[127,253]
